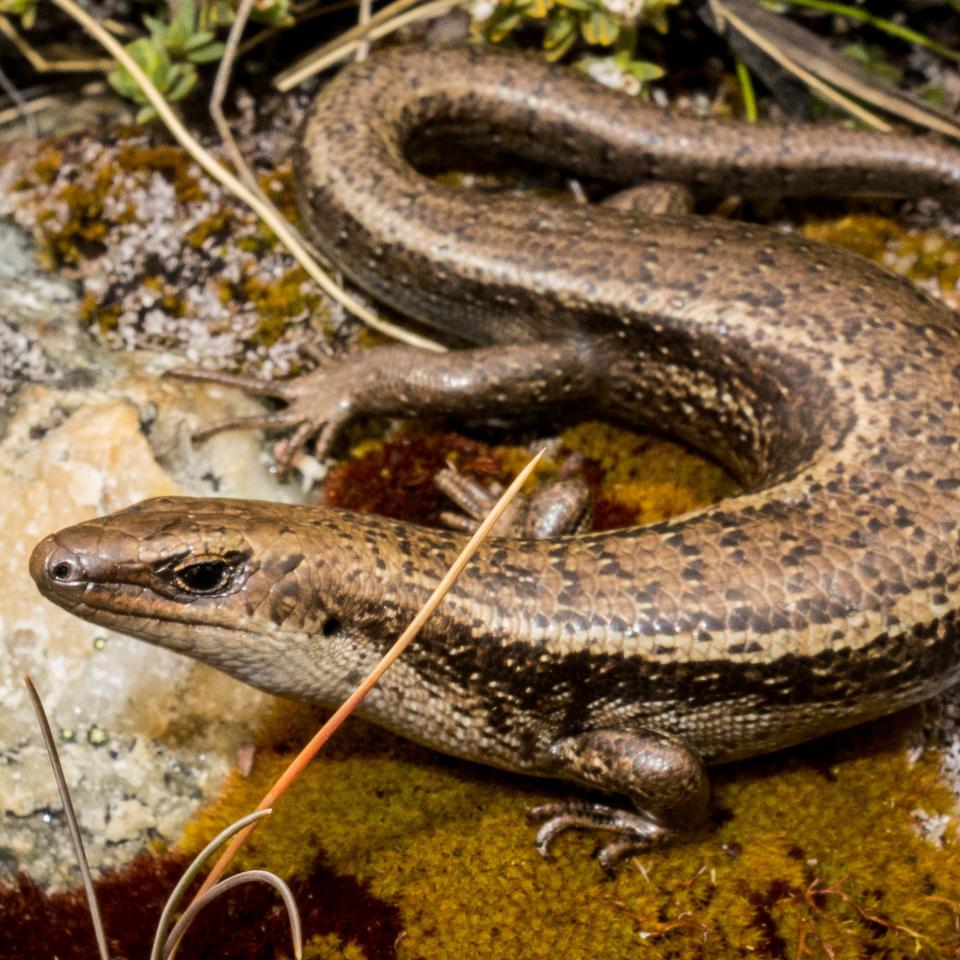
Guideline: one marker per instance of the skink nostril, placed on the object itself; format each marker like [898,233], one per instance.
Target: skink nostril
[63,570]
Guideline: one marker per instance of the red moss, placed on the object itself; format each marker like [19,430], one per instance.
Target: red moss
[396,480]
[249,923]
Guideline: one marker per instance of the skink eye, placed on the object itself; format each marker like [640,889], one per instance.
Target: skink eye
[207,576]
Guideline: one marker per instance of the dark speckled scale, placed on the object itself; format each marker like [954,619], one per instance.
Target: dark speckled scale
[824,596]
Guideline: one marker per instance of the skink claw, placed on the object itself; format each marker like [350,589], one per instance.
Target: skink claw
[635,831]
[319,404]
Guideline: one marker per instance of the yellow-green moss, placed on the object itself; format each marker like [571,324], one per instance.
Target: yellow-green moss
[217,225]
[922,255]
[815,854]
[172,162]
[48,164]
[276,302]
[82,233]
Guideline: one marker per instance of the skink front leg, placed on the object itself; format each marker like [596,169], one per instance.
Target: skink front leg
[664,778]
[404,382]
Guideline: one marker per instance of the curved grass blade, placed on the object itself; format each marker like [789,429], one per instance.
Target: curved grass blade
[71,818]
[160,938]
[248,876]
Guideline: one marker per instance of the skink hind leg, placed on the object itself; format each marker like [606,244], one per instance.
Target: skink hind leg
[664,778]
[403,382]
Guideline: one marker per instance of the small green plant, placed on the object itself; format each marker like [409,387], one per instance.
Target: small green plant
[168,56]
[610,24]
[173,48]
[26,10]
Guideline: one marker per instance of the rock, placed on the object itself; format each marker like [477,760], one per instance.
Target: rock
[145,734]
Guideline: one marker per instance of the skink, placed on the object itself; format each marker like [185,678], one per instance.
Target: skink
[626,660]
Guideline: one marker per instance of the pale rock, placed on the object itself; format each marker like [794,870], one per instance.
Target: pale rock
[145,734]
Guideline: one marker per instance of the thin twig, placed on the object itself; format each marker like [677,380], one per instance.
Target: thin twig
[220,84]
[382,23]
[301,17]
[363,48]
[45,102]
[19,103]
[40,63]
[71,817]
[267,212]
[300,763]
[338,51]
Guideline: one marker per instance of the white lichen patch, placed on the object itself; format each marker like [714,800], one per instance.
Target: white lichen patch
[165,258]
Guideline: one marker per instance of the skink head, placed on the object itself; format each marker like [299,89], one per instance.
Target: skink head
[270,593]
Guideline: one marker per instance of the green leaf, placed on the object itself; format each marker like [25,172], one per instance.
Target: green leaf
[538,9]
[561,26]
[207,54]
[26,10]
[585,6]
[158,30]
[600,28]
[152,59]
[562,48]
[643,70]
[199,39]
[181,81]
[185,18]
[277,14]
[503,22]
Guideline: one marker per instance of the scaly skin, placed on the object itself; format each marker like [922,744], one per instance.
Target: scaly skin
[624,660]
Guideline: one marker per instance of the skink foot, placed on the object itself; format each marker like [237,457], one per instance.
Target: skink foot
[319,404]
[564,506]
[635,832]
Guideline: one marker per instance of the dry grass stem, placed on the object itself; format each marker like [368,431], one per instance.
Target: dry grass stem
[381,24]
[266,211]
[220,84]
[72,823]
[363,48]
[40,63]
[724,15]
[20,104]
